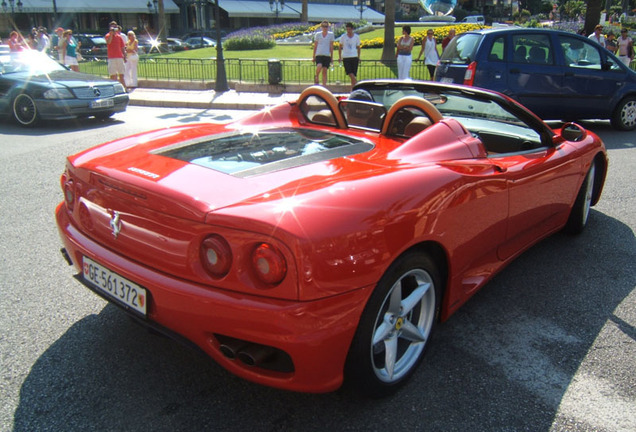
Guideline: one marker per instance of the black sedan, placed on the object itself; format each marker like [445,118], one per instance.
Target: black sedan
[92,46]
[34,87]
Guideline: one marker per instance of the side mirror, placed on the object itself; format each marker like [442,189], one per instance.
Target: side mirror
[573,132]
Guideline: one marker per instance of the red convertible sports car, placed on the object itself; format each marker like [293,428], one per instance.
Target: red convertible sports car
[320,241]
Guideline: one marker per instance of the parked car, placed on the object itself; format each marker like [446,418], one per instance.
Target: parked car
[199,42]
[149,45]
[207,33]
[557,75]
[323,239]
[474,19]
[35,87]
[176,44]
[93,46]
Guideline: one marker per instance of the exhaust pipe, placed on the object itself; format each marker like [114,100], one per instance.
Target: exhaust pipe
[254,355]
[231,347]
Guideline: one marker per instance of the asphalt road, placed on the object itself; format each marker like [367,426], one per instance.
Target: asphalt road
[548,345]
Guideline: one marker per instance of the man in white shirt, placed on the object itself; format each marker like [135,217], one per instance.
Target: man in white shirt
[323,52]
[597,36]
[349,53]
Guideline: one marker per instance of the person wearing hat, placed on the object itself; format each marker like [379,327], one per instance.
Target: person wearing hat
[625,48]
[597,36]
[59,33]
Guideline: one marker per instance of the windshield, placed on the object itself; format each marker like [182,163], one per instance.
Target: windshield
[31,62]
[462,49]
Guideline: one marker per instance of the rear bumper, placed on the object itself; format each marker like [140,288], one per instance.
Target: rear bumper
[315,335]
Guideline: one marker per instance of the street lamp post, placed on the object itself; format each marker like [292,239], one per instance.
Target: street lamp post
[12,4]
[220,85]
[277,7]
[361,5]
[152,8]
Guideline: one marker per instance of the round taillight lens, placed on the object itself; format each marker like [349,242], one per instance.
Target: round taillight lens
[216,255]
[69,194]
[269,264]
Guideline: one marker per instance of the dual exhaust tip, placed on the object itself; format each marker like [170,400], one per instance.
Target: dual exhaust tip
[255,355]
[248,353]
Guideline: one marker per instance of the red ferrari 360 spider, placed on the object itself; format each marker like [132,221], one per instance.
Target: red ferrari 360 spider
[322,240]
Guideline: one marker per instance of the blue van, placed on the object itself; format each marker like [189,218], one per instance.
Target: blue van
[555,74]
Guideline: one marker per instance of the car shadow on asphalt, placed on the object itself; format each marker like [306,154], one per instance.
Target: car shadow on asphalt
[504,361]
[183,116]
[50,127]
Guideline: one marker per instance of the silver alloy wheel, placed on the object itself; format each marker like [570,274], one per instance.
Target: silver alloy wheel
[628,114]
[403,325]
[24,110]
[589,189]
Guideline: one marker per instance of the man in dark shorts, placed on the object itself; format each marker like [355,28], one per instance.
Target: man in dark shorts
[349,53]
[323,52]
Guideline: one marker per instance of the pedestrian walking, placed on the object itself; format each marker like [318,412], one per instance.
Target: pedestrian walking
[597,36]
[448,38]
[116,53]
[625,48]
[429,49]
[59,40]
[349,53]
[15,42]
[132,58]
[69,49]
[43,41]
[323,52]
[403,53]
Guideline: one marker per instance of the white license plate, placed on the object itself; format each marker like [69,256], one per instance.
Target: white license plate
[447,80]
[103,103]
[115,286]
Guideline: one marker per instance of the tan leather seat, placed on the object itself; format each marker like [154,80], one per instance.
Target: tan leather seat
[417,125]
[324,116]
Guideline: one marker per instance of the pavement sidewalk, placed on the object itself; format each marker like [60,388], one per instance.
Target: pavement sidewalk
[207,99]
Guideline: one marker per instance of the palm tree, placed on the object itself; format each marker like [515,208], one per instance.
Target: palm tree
[388,53]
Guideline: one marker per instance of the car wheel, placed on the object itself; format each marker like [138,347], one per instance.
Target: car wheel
[25,111]
[624,117]
[395,327]
[581,209]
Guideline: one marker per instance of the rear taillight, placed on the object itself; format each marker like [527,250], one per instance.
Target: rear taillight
[269,264]
[216,255]
[469,76]
[68,186]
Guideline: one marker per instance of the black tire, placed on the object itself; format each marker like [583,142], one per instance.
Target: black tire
[25,112]
[395,327]
[581,210]
[624,117]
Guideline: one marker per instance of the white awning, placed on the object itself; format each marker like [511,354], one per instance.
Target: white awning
[88,6]
[315,12]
